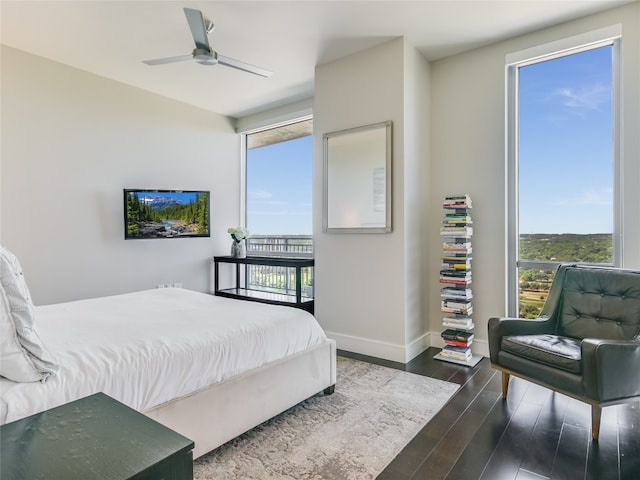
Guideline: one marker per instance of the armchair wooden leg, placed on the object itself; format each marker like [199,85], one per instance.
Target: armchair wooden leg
[505,385]
[596,412]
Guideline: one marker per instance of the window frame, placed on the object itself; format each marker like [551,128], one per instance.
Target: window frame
[243,164]
[608,36]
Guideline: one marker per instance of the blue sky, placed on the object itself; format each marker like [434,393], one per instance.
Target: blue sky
[181,196]
[279,182]
[565,156]
[566,159]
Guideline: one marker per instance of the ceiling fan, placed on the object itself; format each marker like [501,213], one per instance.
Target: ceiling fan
[203,53]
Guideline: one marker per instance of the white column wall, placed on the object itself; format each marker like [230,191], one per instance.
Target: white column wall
[368,286]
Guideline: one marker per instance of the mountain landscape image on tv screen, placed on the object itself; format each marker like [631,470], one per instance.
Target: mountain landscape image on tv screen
[166,213]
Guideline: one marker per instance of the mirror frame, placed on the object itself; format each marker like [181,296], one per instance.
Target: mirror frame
[328,226]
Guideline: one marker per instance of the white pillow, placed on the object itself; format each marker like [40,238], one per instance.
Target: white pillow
[22,355]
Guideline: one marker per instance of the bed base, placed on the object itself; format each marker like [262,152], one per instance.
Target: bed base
[217,414]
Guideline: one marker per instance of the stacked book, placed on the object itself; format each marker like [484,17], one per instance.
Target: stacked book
[457,221]
[456,300]
[457,248]
[457,201]
[456,262]
[460,307]
[457,344]
[456,231]
[455,277]
[454,291]
[455,280]
[458,322]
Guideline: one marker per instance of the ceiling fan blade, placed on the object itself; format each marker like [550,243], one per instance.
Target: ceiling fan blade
[161,61]
[198,29]
[246,67]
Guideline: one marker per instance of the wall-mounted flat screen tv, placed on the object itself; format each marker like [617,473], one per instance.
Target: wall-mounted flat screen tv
[166,213]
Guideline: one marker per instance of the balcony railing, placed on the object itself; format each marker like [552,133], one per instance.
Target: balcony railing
[280,245]
[279,279]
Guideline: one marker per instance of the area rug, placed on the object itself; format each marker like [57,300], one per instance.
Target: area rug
[350,435]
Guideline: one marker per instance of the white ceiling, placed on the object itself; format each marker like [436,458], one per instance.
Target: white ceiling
[111,38]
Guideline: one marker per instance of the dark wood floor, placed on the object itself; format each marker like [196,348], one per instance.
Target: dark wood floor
[536,434]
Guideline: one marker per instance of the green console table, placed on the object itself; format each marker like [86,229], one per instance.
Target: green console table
[95,437]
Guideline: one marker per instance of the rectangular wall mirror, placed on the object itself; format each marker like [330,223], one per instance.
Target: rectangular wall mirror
[357,180]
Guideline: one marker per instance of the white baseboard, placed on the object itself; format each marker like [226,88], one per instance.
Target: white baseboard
[367,346]
[395,352]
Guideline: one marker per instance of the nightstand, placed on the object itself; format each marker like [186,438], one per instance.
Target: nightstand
[95,437]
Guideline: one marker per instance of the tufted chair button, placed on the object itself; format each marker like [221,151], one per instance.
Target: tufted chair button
[602,294]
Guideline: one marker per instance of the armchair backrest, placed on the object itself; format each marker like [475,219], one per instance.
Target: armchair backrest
[595,302]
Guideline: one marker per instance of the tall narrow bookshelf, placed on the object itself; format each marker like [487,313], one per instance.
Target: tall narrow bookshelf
[455,282]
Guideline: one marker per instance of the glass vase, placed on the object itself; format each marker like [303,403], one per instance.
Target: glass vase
[239,249]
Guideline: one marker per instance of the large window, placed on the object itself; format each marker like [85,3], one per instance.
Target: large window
[279,163]
[563,168]
[278,199]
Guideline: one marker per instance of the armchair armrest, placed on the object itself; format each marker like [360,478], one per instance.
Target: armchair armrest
[610,368]
[502,326]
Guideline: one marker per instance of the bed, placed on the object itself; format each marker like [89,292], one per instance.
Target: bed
[208,367]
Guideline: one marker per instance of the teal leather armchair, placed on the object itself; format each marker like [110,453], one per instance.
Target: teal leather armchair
[586,342]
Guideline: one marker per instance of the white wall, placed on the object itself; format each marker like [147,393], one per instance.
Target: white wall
[71,141]
[468,154]
[417,160]
[367,285]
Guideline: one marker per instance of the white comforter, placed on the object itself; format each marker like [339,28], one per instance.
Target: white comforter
[149,347]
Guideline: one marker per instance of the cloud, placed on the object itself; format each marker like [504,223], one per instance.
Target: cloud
[278,213]
[260,194]
[262,197]
[589,97]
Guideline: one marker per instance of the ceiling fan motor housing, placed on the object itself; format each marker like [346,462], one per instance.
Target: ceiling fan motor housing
[205,57]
